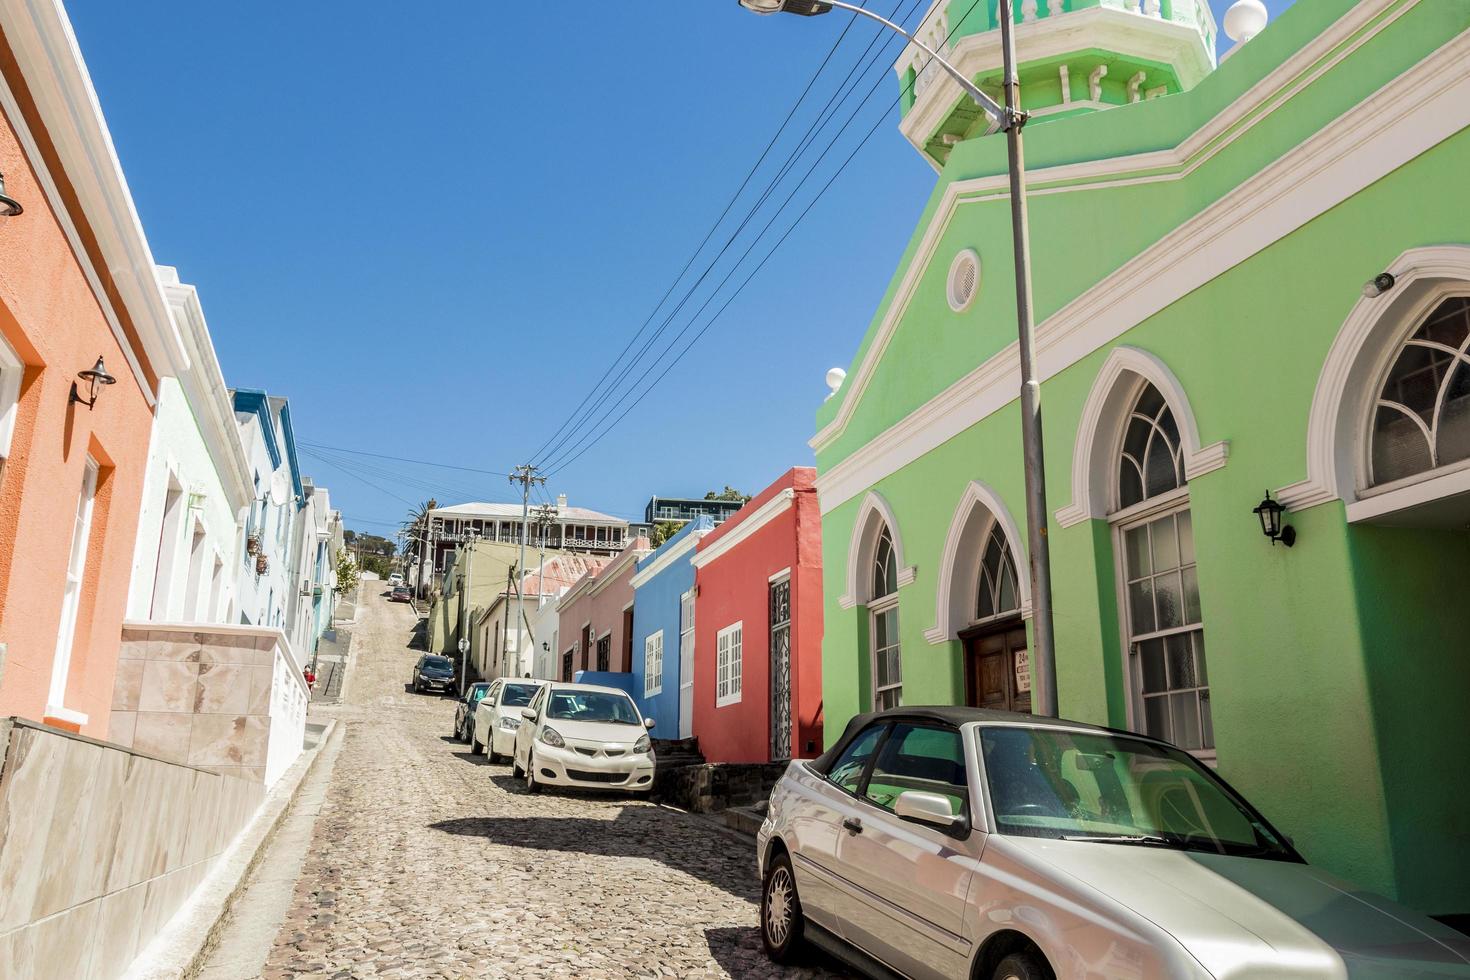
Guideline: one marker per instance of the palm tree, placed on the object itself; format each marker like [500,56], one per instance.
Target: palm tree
[416,530]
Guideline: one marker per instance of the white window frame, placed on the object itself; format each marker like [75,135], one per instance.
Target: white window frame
[76,571]
[653,664]
[12,370]
[879,607]
[729,664]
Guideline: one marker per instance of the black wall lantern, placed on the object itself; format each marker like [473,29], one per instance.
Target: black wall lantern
[9,206]
[1269,511]
[96,378]
[1379,284]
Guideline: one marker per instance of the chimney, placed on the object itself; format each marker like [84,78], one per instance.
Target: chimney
[561,501]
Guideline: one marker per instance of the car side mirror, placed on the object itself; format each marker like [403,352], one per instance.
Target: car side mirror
[648,723]
[528,714]
[930,808]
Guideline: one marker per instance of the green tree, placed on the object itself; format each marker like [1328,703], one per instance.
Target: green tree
[729,493]
[662,531]
[346,570]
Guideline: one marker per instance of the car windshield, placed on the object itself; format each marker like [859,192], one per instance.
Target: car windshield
[1109,789]
[438,663]
[592,706]
[519,695]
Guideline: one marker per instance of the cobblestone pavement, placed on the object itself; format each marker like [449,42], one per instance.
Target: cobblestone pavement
[430,862]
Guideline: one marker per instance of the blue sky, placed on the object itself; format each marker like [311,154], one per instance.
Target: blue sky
[433,226]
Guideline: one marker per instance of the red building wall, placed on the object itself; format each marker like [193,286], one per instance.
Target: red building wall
[733,585]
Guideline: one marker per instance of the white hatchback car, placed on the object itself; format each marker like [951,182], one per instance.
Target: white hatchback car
[498,717]
[584,735]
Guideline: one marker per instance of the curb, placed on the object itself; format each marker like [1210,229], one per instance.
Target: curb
[182,947]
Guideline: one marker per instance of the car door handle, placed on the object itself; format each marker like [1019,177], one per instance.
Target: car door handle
[852,826]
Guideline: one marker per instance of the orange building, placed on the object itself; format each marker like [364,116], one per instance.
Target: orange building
[77,283]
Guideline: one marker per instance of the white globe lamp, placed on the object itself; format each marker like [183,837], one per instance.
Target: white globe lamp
[1244,20]
[835,377]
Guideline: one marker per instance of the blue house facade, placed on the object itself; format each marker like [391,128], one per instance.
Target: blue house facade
[663,632]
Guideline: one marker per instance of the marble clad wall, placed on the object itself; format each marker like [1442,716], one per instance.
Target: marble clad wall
[99,846]
[200,698]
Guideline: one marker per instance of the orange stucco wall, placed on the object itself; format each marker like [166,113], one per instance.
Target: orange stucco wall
[52,319]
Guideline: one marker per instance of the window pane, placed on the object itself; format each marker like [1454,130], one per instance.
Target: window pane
[1170,601]
[930,760]
[1199,656]
[985,601]
[1141,606]
[1180,657]
[1399,447]
[1191,596]
[880,631]
[1184,712]
[1207,725]
[1452,441]
[1165,545]
[848,769]
[1158,469]
[1186,537]
[1151,666]
[1135,545]
[1008,599]
[1156,717]
[1414,380]
[1130,484]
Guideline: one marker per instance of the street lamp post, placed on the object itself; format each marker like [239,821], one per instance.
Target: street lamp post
[1011,119]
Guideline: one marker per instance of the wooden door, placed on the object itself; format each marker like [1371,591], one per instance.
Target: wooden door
[998,668]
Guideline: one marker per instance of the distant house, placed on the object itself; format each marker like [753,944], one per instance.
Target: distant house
[503,644]
[595,621]
[575,529]
[685,509]
[758,628]
[663,631]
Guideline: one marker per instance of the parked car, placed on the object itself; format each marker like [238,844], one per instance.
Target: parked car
[433,673]
[395,578]
[498,717]
[401,593]
[957,842]
[464,710]
[583,735]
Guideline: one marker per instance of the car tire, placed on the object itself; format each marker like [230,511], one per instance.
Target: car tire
[515,767]
[782,923]
[531,785]
[1022,966]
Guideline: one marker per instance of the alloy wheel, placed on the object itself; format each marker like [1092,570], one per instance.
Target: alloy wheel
[779,892]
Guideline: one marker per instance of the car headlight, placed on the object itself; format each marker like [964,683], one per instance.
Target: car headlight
[510,724]
[642,745]
[552,738]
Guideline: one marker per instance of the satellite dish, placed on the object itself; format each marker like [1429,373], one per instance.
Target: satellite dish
[280,491]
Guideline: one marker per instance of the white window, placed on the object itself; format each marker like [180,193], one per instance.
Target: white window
[653,664]
[76,568]
[728,664]
[1166,643]
[686,638]
[11,370]
[887,660]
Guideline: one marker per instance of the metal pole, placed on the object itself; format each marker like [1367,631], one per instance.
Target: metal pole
[525,475]
[1043,667]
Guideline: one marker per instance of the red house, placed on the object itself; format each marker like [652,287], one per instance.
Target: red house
[758,628]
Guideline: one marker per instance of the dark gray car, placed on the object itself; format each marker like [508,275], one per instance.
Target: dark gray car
[433,673]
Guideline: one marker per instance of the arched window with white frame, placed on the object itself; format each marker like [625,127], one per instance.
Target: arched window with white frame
[1169,687]
[887,661]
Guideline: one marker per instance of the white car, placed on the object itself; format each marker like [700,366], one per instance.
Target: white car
[395,579]
[498,716]
[584,735]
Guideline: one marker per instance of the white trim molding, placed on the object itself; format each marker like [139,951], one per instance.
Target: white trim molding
[874,508]
[1100,431]
[1425,105]
[979,508]
[746,526]
[663,557]
[1347,384]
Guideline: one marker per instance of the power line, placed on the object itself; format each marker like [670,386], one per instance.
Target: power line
[401,459]
[556,466]
[587,438]
[705,241]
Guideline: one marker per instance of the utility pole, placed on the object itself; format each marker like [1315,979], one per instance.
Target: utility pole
[525,475]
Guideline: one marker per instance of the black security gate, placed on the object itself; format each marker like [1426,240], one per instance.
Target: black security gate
[604,653]
[781,670]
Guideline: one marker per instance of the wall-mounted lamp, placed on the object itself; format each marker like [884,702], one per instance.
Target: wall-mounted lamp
[9,206]
[1269,511]
[1378,285]
[95,378]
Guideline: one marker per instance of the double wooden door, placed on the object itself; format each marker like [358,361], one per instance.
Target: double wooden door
[998,667]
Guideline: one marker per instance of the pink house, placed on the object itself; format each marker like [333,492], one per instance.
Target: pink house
[596,617]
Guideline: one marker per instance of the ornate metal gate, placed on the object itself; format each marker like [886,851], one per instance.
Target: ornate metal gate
[781,670]
[604,653]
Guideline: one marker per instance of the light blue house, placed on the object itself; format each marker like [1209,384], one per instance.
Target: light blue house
[663,632]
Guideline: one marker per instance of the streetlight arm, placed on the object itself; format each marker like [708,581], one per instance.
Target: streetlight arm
[992,108]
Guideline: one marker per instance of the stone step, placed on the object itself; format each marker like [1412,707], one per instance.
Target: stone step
[746,819]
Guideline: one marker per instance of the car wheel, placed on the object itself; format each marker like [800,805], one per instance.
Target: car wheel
[781,919]
[1022,966]
[515,767]
[531,785]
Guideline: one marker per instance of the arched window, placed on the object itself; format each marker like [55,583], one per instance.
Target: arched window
[997,590]
[887,663]
[1421,419]
[1170,693]
[1151,462]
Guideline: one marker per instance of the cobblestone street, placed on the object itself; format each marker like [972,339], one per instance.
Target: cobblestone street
[427,861]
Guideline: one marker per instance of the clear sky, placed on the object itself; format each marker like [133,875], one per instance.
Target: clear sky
[433,226]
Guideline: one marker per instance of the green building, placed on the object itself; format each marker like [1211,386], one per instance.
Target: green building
[1201,240]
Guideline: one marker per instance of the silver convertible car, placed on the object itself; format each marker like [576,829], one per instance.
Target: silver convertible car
[962,843]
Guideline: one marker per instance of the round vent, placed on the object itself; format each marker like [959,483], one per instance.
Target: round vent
[964,280]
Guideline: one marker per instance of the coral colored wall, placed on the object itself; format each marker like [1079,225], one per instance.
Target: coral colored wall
[602,602]
[734,587]
[51,320]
